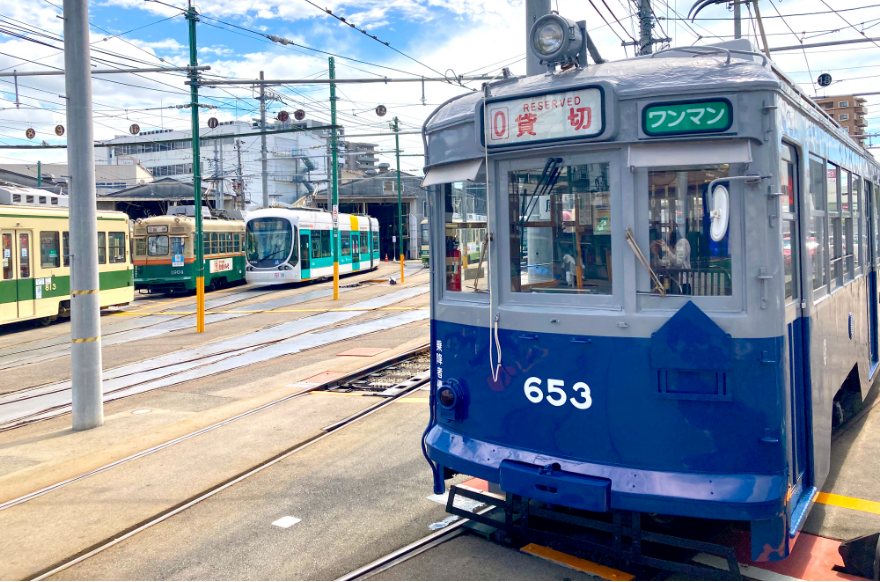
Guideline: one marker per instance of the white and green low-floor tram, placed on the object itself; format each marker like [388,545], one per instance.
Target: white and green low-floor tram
[35,249]
[289,245]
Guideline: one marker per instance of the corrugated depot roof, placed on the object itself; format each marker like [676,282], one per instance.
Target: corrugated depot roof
[160,190]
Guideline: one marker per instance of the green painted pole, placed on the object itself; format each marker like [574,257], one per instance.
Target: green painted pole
[192,18]
[334,163]
[399,201]
[39,173]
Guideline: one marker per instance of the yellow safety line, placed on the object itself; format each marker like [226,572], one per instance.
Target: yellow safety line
[848,502]
[576,563]
[85,340]
[85,292]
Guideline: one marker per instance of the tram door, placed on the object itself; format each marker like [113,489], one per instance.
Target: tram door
[796,328]
[873,221]
[16,249]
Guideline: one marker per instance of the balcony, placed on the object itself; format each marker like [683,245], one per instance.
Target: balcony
[295,178]
[861,110]
[861,122]
[290,153]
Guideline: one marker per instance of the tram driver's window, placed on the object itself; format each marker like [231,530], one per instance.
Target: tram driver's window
[467,266]
[560,221]
[682,254]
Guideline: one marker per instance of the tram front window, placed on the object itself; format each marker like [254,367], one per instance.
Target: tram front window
[157,246]
[467,267]
[560,220]
[684,256]
[269,242]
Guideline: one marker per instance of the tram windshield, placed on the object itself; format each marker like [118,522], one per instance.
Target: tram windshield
[684,256]
[560,238]
[269,242]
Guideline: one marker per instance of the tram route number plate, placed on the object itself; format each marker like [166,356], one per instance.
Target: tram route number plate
[692,117]
[219,265]
[556,116]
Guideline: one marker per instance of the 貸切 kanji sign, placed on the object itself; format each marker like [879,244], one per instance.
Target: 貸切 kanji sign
[678,118]
[544,117]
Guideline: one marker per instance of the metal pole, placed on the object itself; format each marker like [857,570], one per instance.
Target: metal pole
[263,161]
[240,192]
[761,28]
[334,169]
[535,9]
[192,18]
[399,202]
[737,19]
[85,298]
[39,173]
[646,41]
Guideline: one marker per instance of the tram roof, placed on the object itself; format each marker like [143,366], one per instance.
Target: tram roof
[666,74]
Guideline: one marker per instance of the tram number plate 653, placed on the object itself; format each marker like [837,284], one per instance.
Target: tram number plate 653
[556,394]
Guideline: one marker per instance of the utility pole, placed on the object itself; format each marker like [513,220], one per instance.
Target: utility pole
[761,28]
[737,20]
[263,161]
[240,192]
[85,298]
[396,128]
[646,26]
[39,173]
[535,9]
[192,18]
[334,168]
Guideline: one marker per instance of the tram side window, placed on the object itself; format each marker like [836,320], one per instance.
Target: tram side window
[817,243]
[49,250]
[364,243]
[345,239]
[102,248]
[157,246]
[846,226]
[316,244]
[858,226]
[873,192]
[117,247]
[789,176]
[835,275]
[684,256]
[467,269]
[65,248]
[8,263]
[215,243]
[326,244]
[237,243]
[178,245]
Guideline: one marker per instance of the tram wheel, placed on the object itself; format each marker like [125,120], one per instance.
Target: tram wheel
[46,321]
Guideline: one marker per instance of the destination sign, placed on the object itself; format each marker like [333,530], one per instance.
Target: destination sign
[694,117]
[556,116]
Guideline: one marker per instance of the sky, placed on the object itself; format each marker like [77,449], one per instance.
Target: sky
[431,38]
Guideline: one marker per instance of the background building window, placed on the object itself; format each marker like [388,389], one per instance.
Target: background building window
[843,104]
[844,116]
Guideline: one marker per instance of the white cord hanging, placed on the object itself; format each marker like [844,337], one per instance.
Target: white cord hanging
[493,321]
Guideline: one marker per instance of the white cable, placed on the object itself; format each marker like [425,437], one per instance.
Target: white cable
[493,321]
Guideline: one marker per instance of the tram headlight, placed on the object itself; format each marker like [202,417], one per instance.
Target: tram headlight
[446,397]
[554,39]
[452,400]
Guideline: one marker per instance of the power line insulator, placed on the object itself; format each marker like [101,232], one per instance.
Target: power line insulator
[59,130]
[213,123]
[30,133]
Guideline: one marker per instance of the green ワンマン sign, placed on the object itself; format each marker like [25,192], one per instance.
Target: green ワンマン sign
[694,117]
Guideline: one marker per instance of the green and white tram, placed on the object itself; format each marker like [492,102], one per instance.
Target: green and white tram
[34,242]
[288,245]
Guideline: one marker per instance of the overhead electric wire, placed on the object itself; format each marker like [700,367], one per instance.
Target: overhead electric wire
[848,22]
[806,60]
[832,11]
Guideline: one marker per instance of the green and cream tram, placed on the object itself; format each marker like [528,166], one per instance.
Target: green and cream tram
[164,255]
[34,241]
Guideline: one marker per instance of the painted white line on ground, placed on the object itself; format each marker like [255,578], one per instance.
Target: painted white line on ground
[746,570]
[286,521]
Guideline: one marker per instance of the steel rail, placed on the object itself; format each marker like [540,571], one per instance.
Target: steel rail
[359,372]
[414,549]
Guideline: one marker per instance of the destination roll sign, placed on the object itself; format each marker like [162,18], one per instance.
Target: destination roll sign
[551,117]
[709,116]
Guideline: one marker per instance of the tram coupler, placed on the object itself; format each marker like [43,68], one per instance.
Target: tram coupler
[861,556]
[621,537]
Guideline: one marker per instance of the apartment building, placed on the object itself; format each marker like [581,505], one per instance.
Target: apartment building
[849,111]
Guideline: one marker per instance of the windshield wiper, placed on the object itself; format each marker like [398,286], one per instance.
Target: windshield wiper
[547,181]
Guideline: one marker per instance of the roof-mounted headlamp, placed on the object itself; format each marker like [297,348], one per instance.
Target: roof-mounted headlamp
[557,40]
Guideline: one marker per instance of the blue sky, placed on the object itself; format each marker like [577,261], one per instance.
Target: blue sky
[457,36]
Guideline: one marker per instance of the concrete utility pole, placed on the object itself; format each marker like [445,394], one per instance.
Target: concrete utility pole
[240,191]
[535,9]
[646,26]
[737,20]
[192,18]
[396,128]
[263,152]
[334,170]
[85,299]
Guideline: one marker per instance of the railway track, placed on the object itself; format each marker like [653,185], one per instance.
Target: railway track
[390,365]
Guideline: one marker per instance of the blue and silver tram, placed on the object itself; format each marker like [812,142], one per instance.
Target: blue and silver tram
[285,245]
[677,294]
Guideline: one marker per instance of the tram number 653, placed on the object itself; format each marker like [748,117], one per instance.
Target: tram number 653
[556,394]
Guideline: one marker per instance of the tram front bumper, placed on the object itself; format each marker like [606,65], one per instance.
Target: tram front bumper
[734,497]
